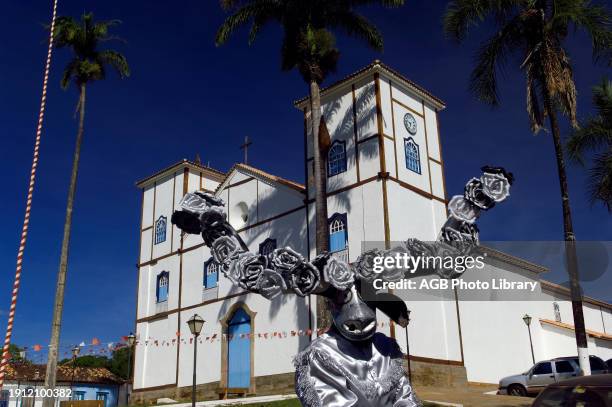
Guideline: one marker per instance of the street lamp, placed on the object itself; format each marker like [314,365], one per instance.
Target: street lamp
[75,353]
[130,340]
[408,346]
[195,324]
[527,320]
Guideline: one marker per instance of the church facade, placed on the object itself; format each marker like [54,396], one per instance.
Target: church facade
[385,184]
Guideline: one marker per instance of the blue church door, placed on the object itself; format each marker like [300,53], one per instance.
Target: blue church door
[239,351]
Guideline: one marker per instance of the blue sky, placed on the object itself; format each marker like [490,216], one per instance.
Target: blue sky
[186,96]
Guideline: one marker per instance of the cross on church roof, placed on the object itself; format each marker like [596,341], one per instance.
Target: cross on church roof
[245,147]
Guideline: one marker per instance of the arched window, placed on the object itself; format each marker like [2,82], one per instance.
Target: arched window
[557,311]
[413,159]
[211,273]
[337,232]
[267,247]
[160,230]
[336,158]
[163,281]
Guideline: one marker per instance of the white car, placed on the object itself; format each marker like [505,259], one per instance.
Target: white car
[546,372]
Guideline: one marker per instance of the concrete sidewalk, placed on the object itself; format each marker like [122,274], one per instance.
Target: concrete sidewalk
[472,396]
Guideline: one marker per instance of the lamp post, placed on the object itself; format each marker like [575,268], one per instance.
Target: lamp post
[527,320]
[130,340]
[195,324]
[75,353]
[408,346]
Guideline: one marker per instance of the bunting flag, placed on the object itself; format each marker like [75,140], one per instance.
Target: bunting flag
[98,347]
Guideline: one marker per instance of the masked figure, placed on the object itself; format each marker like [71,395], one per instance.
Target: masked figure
[351,364]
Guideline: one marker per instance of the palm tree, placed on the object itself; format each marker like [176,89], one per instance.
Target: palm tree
[535,30]
[88,64]
[595,135]
[308,45]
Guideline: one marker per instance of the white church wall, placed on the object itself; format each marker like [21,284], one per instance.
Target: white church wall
[439,215]
[437,182]
[407,98]
[287,230]
[209,352]
[160,366]
[369,161]
[431,125]
[275,200]
[147,206]
[242,201]
[365,96]
[495,339]
[144,292]
[146,245]
[193,276]
[163,207]
[409,214]
[391,162]
[385,102]
[194,180]
[176,232]
[432,332]
[372,214]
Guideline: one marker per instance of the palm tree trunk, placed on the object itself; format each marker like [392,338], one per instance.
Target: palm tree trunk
[50,375]
[320,184]
[570,243]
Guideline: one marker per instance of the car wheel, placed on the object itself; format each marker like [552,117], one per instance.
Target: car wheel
[517,390]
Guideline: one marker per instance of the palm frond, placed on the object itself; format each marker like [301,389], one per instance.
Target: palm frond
[359,27]
[70,72]
[534,104]
[600,180]
[257,11]
[592,135]
[115,60]
[461,15]
[491,58]
[596,20]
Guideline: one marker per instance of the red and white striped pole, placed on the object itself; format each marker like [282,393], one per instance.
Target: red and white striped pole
[26,221]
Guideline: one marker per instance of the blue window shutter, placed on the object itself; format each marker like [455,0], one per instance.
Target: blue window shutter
[338,237]
[163,281]
[211,273]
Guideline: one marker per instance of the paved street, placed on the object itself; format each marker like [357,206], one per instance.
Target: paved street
[473,396]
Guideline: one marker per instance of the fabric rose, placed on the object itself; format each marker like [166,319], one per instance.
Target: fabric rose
[396,271]
[213,225]
[473,192]
[495,186]
[247,269]
[364,266]
[425,250]
[224,249]
[338,274]
[270,284]
[285,259]
[462,209]
[305,278]
[210,199]
[447,253]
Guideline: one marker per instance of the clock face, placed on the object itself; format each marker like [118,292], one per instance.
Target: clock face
[410,123]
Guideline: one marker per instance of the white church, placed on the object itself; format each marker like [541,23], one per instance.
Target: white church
[385,183]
